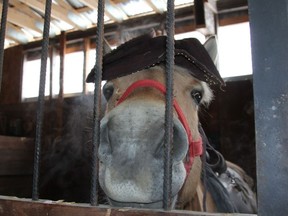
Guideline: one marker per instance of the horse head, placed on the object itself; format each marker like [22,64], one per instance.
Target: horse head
[132,130]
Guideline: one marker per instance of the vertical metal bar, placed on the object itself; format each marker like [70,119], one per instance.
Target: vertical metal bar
[169,106]
[270,70]
[2,37]
[41,97]
[97,102]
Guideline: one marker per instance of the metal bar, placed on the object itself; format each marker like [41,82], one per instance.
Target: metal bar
[41,97]
[168,139]
[2,37]
[97,102]
[270,69]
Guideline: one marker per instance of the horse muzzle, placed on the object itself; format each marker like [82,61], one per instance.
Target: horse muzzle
[131,154]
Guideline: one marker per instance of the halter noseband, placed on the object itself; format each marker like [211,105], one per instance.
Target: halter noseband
[195,147]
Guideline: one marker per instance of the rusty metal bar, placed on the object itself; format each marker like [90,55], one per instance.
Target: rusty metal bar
[41,97]
[97,102]
[168,139]
[2,36]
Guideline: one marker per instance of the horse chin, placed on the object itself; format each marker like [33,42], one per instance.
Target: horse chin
[152,205]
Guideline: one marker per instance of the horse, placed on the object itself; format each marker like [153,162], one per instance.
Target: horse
[131,147]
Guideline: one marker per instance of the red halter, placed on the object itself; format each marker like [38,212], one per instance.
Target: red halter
[195,147]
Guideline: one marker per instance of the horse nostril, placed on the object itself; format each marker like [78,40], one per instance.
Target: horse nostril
[180,141]
[105,149]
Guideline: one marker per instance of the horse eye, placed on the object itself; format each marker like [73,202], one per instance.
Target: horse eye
[108,90]
[197,96]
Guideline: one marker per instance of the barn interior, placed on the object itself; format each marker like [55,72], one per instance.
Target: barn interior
[228,121]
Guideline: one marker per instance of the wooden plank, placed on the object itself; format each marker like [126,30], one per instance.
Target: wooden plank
[158,7]
[57,12]
[17,34]
[25,9]
[26,207]
[12,76]
[90,3]
[16,155]
[114,12]
[20,185]
[111,10]
[234,20]
[16,17]
[86,70]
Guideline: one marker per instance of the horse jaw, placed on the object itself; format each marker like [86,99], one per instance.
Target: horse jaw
[131,168]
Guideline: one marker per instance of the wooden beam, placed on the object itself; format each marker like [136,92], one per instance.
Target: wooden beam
[86,70]
[111,10]
[158,7]
[7,37]
[25,9]
[16,34]
[184,22]
[62,54]
[234,20]
[64,4]
[24,207]
[90,3]
[114,12]
[57,12]
[16,17]
[83,9]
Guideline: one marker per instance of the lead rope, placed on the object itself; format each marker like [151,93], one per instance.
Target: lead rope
[2,36]
[40,104]
[97,103]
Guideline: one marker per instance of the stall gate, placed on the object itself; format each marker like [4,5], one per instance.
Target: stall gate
[271,151]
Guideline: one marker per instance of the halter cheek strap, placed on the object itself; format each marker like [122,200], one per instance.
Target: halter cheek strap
[195,147]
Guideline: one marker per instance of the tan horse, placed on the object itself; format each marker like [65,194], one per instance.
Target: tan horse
[132,130]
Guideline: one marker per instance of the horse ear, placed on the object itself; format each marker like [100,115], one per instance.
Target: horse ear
[106,46]
[212,48]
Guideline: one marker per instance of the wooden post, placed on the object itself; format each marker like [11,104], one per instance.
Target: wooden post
[61,82]
[86,62]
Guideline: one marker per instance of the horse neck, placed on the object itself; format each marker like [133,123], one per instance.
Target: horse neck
[191,195]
